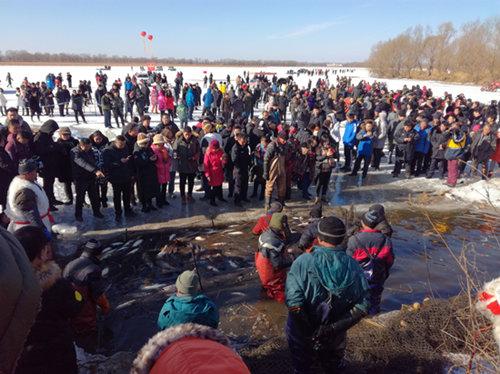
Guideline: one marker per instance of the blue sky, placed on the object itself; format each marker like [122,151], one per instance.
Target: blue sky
[306,30]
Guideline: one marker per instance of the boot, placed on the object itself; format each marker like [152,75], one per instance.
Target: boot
[267,203]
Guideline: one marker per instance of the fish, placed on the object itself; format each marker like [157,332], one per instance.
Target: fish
[116,244]
[133,251]
[234,233]
[172,237]
[218,244]
[125,304]
[233,264]
[155,286]
[199,238]
[137,243]
[213,268]
[105,272]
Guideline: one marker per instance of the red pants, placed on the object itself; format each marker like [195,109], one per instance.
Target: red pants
[452,172]
[272,280]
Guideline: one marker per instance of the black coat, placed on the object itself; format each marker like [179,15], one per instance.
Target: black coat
[8,171]
[47,150]
[65,169]
[240,156]
[84,164]
[147,179]
[115,170]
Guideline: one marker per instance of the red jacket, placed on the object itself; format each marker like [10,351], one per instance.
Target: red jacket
[262,224]
[163,162]
[169,100]
[376,243]
[214,166]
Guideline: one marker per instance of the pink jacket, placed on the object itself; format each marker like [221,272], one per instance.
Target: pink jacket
[163,162]
[214,166]
[153,96]
[162,102]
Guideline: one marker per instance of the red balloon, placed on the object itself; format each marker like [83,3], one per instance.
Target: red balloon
[143,33]
[150,37]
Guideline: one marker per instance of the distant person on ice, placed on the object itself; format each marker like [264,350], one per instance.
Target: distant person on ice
[188,305]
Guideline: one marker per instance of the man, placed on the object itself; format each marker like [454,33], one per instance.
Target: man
[27,202]
[49,153]
[166,123]
[373,251]
[275,169]
[240,156]
[405,139]
[326,294]
[85,174]
[106,106]
[146,128]
[187,148]
[119,170]
[308,237]
[271,260]
[349,139]
[63,97]
[84,273]
[188,305]
[263,221]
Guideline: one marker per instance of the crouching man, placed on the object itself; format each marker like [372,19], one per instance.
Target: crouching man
[326,294]
[272,260]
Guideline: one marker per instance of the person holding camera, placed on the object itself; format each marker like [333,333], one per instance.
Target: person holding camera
[405,139]
[85,174]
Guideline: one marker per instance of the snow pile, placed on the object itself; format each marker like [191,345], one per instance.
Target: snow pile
[487,192]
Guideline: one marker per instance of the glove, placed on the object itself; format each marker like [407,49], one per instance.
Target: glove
[300,320]
[47,233]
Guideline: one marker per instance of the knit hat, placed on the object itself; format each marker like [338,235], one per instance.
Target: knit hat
[379,208]
[371,218]
[65,130]
[93,246]
[158,139]
[277,221]
[331,230]
[187,283]
[275,207]
[316,211]
[27,166]
[142,139]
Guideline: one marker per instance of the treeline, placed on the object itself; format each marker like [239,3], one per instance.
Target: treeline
[22,56]
[470,54]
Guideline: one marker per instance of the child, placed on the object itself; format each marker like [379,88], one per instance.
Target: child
[365,137]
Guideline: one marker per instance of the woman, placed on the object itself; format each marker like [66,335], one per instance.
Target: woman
[147,180]
[162,103]
[214,162]
[153,99]
[163,161]
[325,162]
[67,143]
[170,105]
[187,149]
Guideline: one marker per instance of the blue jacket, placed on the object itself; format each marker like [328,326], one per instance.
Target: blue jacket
[365,145]
[190,97]
[423,144]
[128,85]
[188,309]
[349,137]
[208,99]
[313,275]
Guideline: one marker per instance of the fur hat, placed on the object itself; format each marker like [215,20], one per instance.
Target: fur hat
[158,139]
[142,139]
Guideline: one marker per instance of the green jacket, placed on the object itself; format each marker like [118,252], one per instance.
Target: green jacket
[313,275]
[188,309]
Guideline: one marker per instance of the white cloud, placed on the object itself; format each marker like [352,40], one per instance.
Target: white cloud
[306,30]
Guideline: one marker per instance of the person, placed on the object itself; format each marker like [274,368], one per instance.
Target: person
[49,153]
[405,138]
[77,105]
[187,305]
[163,163]
[482,149]
[304,169]
[373,251]
[118,105]
[21,298]
[308,237]
[272,260]
[455,149]
[188,348]
[325,162]
[275,169]
[423,148]
[27,202]
[84,273]
[214,162]
[20,146]
[349,139]
[379,141]
[187,151]
[383,225]
[49,346]
[85,174]
[118,169]
[145,169]
[366,137]
[8,170]
[3,103]
[312,313]
[65,176]
[257,169]
[240,157]
[438,142]
[262,223]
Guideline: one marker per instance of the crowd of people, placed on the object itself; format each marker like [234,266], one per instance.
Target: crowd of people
[302,135]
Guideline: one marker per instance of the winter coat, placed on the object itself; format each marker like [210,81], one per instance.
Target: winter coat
[49,347]
[349,137]
[187,154]
[169,101]
[162,102]
[118,105]
[65,174]
[375,243]
[18,151]
[188,348]
[313,276]
[45,148]
[182,113]
[84,164]
[115,170]
[208,99]
[8,170]
[366,143]
[262,224]
[214,166]
[84,273]
[77,102]
[153,97]
[147,179]
[190,99]
[438,142]
[457,141]
[423,144]
[324,163]
[240,156]
[483,146]
[309,234]
[406,148]
[21,291]
[382,128]
[197,309]
[275,160]
[163,163]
